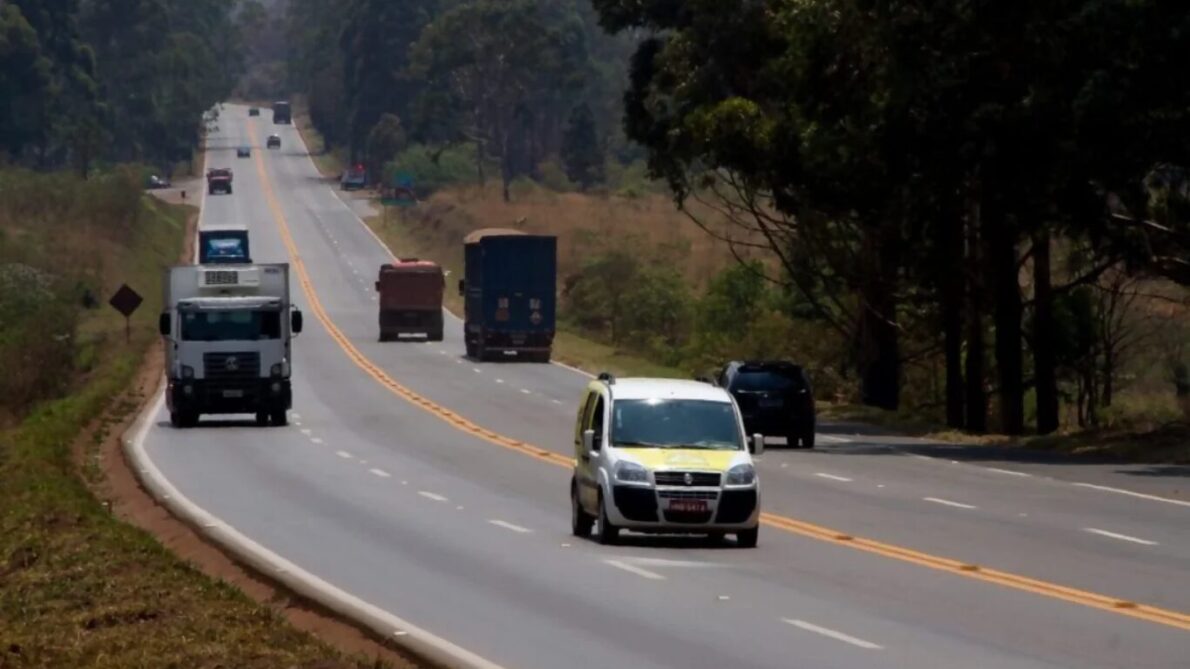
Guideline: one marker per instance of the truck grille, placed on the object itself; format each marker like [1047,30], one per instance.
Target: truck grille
[700,479]
[231,366]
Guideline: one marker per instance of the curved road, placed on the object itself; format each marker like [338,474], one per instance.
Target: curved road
[450,510]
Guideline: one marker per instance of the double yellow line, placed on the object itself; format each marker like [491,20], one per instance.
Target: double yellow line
[1090,599]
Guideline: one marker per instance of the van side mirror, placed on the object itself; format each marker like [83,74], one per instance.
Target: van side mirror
[163,324]
[295,321]
[588,441]
[757,444]
[462,286]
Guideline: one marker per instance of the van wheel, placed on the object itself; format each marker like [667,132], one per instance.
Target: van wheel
[581,522]
[747,538]
[280,418]
[607,533]
[262,419]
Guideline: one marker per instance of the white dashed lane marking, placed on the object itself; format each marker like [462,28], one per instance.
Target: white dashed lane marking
[509,526]
[343,454]
[947,502]
[315,440]
[1118,491]
[431,495]
[1121,537]
[633,569]
[833,477]
[380,472]
[833,634]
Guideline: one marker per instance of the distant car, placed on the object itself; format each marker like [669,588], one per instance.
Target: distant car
[775,398]
[274,142]
[354,178]
[244,152]
[253,111]
[155,182]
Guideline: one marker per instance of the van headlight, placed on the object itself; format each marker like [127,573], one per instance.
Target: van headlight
[630,472]
[741,475]
[187,372]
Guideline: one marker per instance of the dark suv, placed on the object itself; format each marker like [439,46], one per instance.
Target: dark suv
[775,397]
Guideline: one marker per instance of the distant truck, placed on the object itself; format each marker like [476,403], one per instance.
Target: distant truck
[509,289]
[228,330]
[223,244]
[281,112]
[219,180]
[411,299]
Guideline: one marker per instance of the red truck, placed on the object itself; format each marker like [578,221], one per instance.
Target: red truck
[219,180]
[411,299]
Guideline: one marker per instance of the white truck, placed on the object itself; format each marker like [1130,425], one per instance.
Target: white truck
[227,331]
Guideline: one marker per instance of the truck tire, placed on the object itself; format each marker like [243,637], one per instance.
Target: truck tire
[808,439]
[262,418]
[470,350]
[280,418]
[183,419]
[543,357]
[229,190]
[210,190]
[436,335]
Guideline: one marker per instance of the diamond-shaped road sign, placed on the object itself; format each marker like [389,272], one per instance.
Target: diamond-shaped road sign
[126,300]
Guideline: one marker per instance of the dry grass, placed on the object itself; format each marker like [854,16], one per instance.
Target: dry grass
[79,588]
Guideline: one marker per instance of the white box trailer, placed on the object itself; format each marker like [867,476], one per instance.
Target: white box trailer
[228,330]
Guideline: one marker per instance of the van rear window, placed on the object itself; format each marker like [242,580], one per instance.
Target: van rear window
[769,381]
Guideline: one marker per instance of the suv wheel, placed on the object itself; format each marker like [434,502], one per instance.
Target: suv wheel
[747,538]
[581,522]
[607,533]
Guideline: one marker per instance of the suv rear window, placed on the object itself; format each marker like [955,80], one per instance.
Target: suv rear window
[768,380]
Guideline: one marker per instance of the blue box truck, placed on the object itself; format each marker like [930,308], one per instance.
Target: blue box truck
[509,289]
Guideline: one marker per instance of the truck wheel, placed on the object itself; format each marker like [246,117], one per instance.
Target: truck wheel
[262,418]
[808,439]
[581,522]
[280,418]
[436,335]
[210,191]
[481,352]
[229,190]
[470,350]
[176,419]
[542,357]
[606,533]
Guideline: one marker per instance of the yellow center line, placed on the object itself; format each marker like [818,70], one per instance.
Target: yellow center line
[1090,599]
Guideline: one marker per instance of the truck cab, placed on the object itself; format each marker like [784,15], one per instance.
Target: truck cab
[410,296]
[223,245]
[509,287]
[228,330]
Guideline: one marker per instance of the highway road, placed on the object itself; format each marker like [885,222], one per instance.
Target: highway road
[436,488]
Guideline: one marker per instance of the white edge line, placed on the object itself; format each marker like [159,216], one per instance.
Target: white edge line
[838,636]
[633,569]
[1118,491]
[386,624]
[509,526]
[1121,537]
[947,502]
[833,477]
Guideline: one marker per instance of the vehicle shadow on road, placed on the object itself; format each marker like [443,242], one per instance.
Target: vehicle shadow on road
[203,424]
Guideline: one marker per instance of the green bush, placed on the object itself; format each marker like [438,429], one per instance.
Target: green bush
[554,177]
[433,169]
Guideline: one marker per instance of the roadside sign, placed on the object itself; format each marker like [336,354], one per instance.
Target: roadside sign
[403,180]
[126,301]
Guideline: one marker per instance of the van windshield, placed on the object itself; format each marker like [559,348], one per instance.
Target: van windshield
[658,423]
[231,325]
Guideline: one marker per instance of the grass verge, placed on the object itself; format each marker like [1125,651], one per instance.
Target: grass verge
[80,588]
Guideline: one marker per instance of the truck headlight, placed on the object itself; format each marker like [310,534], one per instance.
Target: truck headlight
[741,475]
[276,370]
[630,472]
[187,372]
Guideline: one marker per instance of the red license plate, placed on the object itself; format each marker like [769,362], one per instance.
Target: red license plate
[693,505]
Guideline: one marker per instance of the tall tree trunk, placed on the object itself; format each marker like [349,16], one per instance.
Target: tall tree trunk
[1006,290]
[880,355]
[1044,361]
[977,399]
[952,315]
[1109,374]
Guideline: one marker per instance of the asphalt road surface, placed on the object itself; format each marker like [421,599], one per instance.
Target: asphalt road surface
[876,551]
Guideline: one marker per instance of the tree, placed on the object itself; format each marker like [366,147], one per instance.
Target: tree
[385,141]
[25,80]
[581,152]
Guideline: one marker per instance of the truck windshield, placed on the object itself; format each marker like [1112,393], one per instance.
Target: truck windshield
[231,325]
[657,423]
[224,248]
